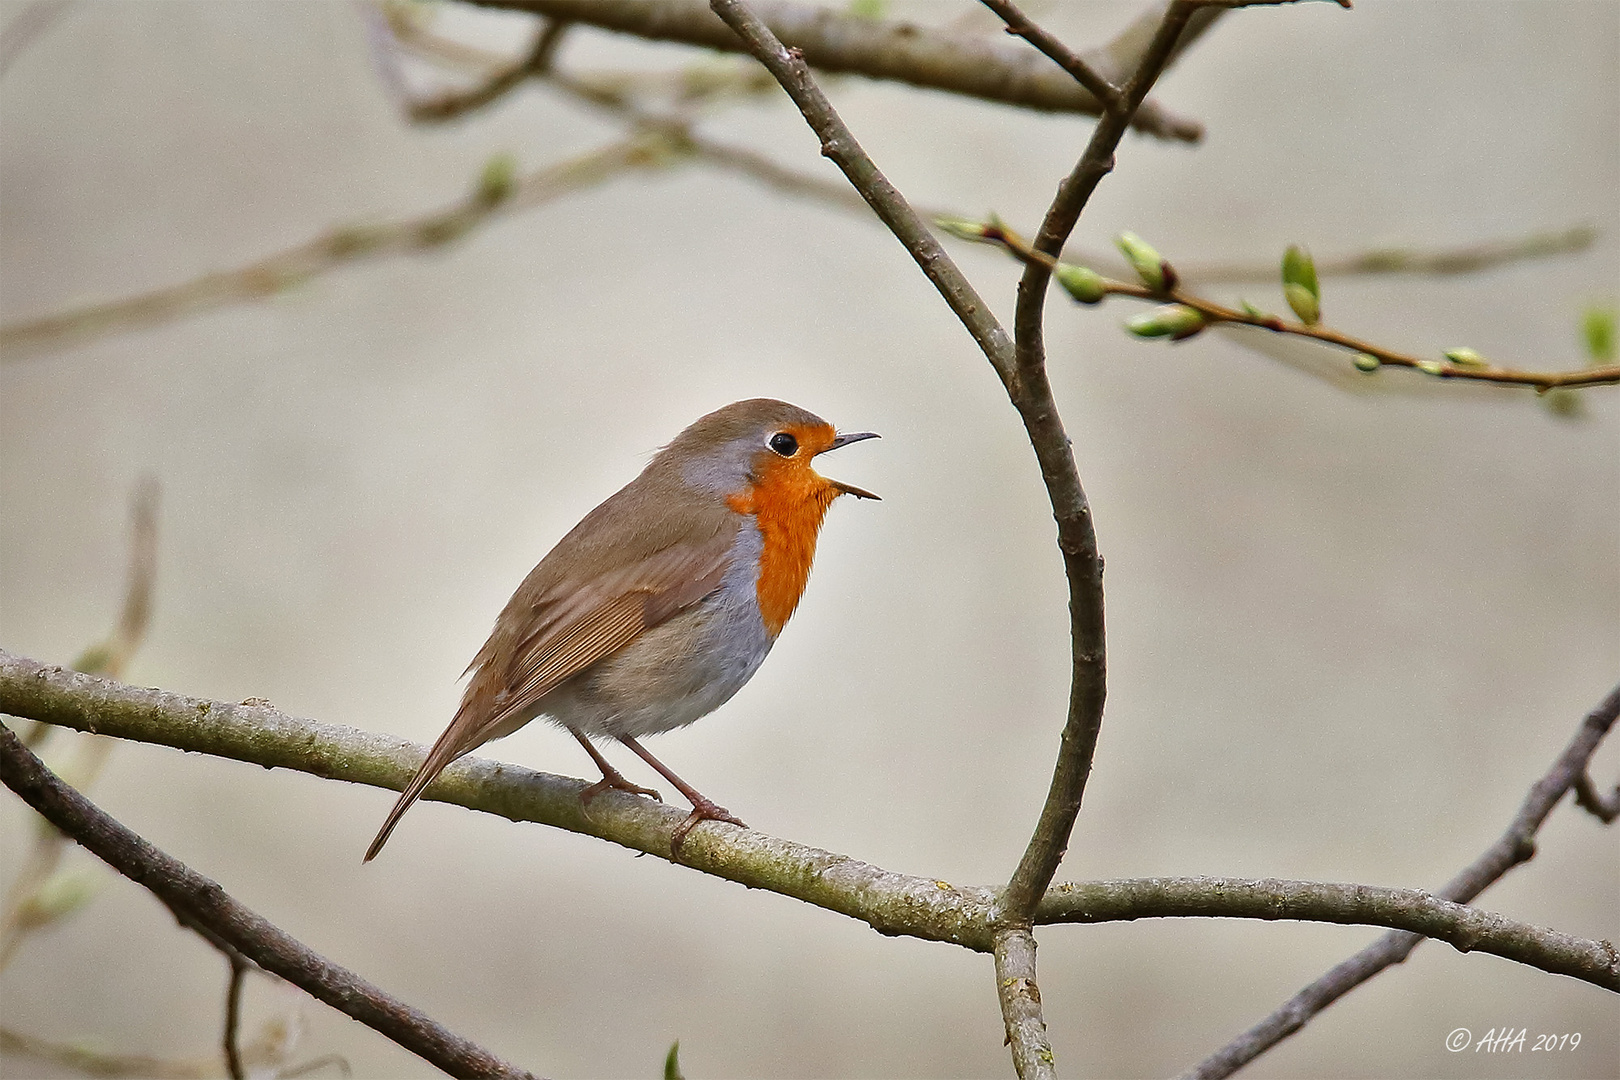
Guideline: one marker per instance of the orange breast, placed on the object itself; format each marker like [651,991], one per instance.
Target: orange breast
[789,505]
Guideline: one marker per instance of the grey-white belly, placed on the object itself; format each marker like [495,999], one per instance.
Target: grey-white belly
[682,669]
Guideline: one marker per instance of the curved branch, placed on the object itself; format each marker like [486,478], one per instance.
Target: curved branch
[1465,928]
[1077,536]
[834,42]
[1515,846]
[201,905]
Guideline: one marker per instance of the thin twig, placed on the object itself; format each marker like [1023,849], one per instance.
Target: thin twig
[1066,58]
[201,905]
[1216,314]
[1515,846]
[455,104]
[27,27]
[93,1063]
[838,144]
[832,41]
[1443,262]
[282,271]
[1590,799]
[233,1015]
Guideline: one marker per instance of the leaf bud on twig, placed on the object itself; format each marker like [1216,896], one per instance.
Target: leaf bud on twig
[1299,285]
[1148,263]
[1084,284]
[1174,321]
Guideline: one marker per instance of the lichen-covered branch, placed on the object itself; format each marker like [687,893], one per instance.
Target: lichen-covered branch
[1515,846]
[201,905]
[1467,929]
[1020,1000]
[835,42]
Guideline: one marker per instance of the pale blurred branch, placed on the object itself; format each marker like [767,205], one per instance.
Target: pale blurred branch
[835,42]
[41,892]
[1464,259]
[27,27]
[1515,846]
[451,105]
[294,266]
[96,1063]
[233,1015]
[201,905]
[1170,292]
[892,903]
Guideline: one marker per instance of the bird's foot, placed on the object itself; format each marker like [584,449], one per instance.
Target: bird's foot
[613,780]
[702,810]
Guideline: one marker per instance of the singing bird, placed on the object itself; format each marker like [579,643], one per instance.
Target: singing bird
[658,606]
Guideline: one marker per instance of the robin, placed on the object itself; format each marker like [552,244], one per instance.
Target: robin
[661,603]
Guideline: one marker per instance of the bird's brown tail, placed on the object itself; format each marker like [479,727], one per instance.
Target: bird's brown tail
[444,751]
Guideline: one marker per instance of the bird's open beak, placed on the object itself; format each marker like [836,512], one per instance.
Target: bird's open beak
[845,440]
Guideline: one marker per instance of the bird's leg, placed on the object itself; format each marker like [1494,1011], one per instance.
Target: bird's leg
[703,807]
[612,779]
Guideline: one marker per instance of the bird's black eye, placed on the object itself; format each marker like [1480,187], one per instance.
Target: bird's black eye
[784,444]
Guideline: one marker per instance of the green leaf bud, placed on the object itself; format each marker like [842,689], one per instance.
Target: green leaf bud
[1304,303]
[1367,362]
[58,897]
[1148,264]
[1175,321]
[1084,284]
[1598,330]
[1465,357]
[498,179]
[962,228]
[1300,286]
[1430,367]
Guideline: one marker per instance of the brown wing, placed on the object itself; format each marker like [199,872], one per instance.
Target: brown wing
[557,624]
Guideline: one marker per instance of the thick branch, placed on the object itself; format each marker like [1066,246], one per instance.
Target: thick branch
[200,904]
[1465,928]
[891,903]
[835,42]
[1516,845]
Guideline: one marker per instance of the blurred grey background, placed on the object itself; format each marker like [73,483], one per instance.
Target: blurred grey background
[1347,631]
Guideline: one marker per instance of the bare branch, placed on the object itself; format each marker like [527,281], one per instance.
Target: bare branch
[835,42]
[1077,537]
[1465,928]
[233,1015]
[1019,24]
[92,1063]
[1590,799]
[1466,259]
[201,905]
[1020,1001]
[837,143]
[27,27]
[1516,845]
[296,265]
[450,106]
